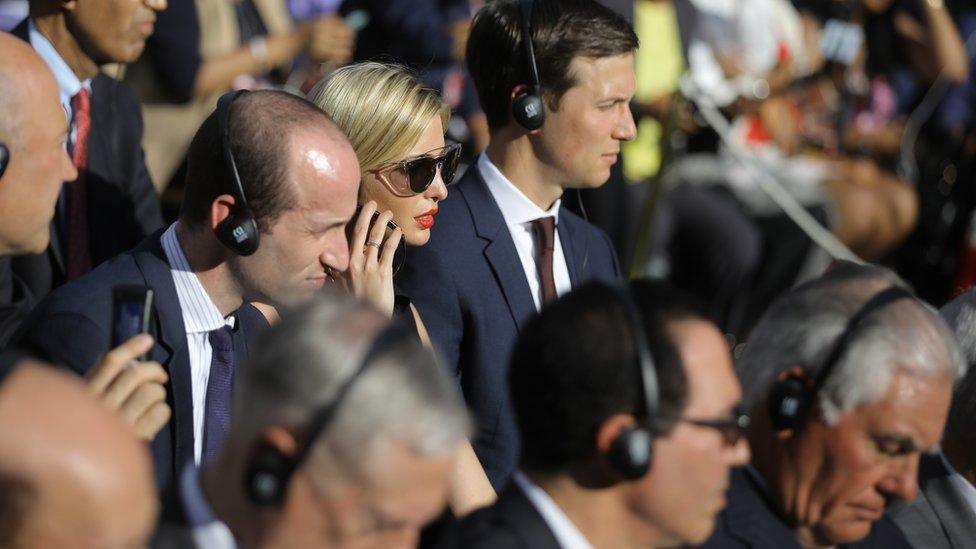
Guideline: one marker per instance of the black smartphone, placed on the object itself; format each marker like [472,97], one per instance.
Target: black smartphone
[131,312]
[391,225]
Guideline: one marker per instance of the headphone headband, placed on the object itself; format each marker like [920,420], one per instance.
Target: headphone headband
[525,17]
[223,124]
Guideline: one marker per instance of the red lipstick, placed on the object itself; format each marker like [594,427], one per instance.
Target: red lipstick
[426,220]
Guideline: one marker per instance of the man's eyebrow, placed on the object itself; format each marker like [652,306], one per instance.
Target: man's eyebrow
[904,443]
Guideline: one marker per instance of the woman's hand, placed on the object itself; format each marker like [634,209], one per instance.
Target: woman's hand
[370,273]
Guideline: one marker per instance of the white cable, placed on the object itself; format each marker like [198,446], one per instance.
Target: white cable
[820,235]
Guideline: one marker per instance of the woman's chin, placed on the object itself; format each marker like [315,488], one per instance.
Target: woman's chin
[419,237]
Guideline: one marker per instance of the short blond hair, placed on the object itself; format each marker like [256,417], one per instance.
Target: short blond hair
[382,108]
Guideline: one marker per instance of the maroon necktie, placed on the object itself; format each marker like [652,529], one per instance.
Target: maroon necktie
[545,230]
[79,257]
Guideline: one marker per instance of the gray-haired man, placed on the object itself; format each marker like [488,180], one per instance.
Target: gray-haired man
[848,379]
[943,516]
[344,432]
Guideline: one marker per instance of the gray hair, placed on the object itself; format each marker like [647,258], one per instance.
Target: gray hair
[802,327]
[300,364]
[960,314]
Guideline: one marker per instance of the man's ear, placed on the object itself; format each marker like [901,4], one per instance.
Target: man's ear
[220,209]
[69,5]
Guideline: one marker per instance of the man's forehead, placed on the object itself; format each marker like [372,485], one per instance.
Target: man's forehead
[911,407]
[604,75]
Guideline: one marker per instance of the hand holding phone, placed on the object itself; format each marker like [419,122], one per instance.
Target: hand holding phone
[372,245]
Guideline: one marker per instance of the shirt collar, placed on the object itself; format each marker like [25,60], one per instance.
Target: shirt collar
[516,208]
[68,82]
[566,533]
[200,314]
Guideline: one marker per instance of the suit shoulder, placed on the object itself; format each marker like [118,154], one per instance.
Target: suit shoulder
[117,92]
[482,529]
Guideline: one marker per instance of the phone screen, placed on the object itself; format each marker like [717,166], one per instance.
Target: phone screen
[131,312]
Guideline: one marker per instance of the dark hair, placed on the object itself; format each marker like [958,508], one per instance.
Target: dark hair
[261,123]
[576,364]
[561,31]
[17,498]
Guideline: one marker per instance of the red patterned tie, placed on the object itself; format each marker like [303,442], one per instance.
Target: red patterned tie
[545,230]
[79,257]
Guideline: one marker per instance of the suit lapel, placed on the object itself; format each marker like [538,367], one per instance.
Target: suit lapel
[171,349]
[749,518]
[953,511]
[500,251]
[515,509]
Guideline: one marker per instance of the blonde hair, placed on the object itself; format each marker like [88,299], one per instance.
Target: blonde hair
[382,108]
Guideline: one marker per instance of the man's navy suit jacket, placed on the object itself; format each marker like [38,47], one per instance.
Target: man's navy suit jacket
[470,289]
[71,328]
[123,207]
[750,521]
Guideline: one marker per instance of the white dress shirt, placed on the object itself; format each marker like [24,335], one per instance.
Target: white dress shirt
[959,482]
[200,316]
[519,213]
[566,533]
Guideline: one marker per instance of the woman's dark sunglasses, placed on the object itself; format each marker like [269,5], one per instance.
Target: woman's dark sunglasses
[421,170]
[732,429]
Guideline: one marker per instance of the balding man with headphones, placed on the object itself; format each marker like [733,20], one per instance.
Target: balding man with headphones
[626,402]
[848,379]
[271,183]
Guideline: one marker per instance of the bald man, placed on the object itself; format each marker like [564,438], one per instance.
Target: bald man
[68,480]
[33,167]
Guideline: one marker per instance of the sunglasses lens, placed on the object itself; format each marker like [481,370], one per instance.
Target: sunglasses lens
[422,173]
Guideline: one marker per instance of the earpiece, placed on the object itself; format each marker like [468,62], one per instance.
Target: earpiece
[239,231]
[528,109]
[269,471]
[790,399]
[631,452]
[4,158]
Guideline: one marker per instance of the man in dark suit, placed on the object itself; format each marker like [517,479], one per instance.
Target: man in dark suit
[848,380]
[504,245]
[276,239]
[112,205]
[624,444]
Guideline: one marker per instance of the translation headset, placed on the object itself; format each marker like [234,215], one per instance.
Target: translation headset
[631,452]
[238,231]
[269,471]
[791,399]
[4,158]
[527,108]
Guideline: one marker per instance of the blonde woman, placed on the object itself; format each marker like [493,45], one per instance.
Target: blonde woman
[396,126]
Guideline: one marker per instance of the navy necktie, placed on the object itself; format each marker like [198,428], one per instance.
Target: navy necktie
[217,420]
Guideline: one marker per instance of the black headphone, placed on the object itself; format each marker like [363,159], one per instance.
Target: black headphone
[4,158]
[527,108]
[791,398]
[631,452]
[269,471]
[238,231]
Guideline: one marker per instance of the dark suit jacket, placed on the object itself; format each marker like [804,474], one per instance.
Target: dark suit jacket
[750,521]
[470,289]
[123,207]
[940,517]
[512,522]
[71,327]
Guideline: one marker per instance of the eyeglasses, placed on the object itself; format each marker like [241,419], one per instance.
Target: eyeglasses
[421,170]
[732,429]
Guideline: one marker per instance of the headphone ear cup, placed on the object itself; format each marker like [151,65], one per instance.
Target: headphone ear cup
[528,111]
[267,476]
[631,453]
[4,158]
[789,401]
[239,233]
